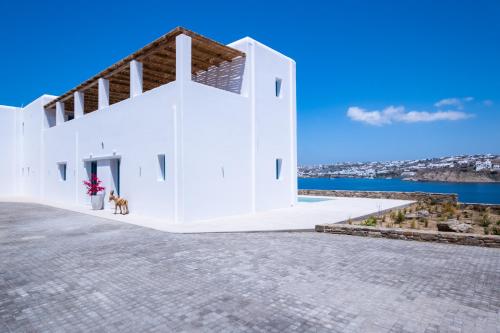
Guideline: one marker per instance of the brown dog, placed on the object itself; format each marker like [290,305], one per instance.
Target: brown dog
[119,203]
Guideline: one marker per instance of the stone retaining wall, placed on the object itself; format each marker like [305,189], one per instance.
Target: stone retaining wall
[426,236]
[416,196]
[495,209]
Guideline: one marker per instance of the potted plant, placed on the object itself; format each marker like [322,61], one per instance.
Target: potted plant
[93,189]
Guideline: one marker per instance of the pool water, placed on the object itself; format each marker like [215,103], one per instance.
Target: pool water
[312,199]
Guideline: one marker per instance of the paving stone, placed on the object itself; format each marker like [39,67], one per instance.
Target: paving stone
[62,271]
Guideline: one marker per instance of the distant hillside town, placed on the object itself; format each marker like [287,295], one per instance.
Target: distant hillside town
[464,168]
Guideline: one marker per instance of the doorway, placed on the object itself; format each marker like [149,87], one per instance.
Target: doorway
[108,172]
[114,166]
[93,168]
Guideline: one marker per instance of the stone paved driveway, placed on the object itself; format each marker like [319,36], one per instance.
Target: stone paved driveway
[65,272]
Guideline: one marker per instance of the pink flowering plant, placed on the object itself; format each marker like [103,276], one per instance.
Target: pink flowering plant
[94,185]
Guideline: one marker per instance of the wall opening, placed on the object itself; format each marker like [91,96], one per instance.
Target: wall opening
[277,87]
[62,171]
[158,68]
[69,109]
[90,98]
[279,163]
[161,168]
[119,86]
[50,118]
[226,76]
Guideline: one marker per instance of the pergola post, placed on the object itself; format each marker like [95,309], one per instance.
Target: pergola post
[135,78]
[79,104]
[103,93]
[183,58]
[59,113]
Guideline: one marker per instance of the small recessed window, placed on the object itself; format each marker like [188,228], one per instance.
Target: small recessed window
[277,87]
[279,163]
[161,168]
[62,171]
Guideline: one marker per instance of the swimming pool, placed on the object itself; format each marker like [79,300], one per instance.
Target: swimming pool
[312,199]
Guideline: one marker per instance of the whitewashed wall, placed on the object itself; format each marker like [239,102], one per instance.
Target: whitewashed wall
[275,129]
[30,161]
[8,152]
[231,141]
[137,130]
[274,121]
[216,152]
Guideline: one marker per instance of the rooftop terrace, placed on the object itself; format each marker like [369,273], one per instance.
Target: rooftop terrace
[150,67]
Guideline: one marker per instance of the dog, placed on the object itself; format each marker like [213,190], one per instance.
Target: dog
[119,203]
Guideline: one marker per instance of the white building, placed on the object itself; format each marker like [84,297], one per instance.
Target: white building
[483,165]
[185,129]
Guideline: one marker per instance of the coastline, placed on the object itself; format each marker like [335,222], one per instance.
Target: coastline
[410,179]
[450,181]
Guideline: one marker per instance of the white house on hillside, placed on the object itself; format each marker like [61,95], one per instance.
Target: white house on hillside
[185,129]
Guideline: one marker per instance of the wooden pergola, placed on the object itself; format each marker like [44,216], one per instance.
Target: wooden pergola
[158,66]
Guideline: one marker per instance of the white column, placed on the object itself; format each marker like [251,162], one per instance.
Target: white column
[103,90]
[182,76]
[182,58]
[79,106]
[59,113]
[135,78]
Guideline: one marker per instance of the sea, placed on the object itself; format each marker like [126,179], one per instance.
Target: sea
[488,193]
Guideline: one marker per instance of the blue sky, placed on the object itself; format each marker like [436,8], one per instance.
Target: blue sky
[370,74]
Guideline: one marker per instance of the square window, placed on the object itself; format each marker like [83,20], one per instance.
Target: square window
[62,171]
[277,87]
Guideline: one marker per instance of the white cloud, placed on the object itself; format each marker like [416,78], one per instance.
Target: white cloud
[455,102]
[369,117]
[394,114]
[449,102]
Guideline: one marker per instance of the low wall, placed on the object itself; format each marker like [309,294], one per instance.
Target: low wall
[416,196]
[495,209]
[426,236]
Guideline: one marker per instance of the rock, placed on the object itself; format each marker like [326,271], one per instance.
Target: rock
[463,227]
[454,226]
[423,213]
[418,214]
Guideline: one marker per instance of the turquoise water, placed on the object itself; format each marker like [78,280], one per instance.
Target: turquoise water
[311,199]
[467,192]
